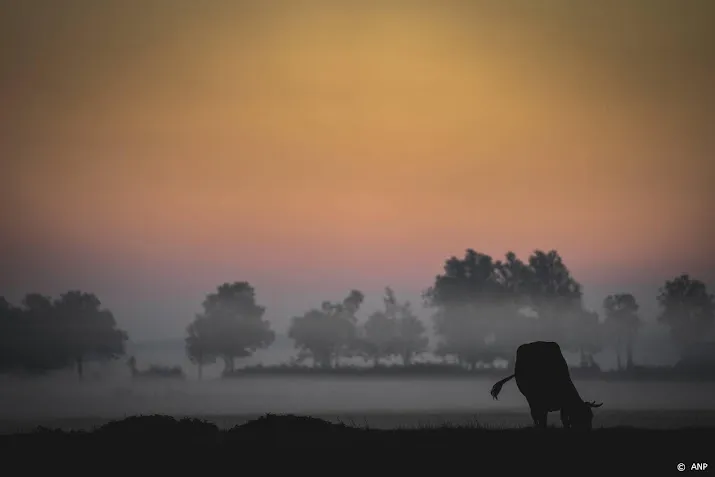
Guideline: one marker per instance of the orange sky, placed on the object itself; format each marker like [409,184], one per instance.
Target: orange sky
[325,143]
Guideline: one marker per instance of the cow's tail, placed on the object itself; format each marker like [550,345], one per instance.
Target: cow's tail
[496,389]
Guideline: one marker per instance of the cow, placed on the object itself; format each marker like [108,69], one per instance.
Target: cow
[542,376]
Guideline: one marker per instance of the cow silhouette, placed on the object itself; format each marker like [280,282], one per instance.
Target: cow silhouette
[542,376]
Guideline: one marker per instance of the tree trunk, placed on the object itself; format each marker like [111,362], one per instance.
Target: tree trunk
[323,360]
[228,364]
[406,358]
[629,354]
[618,354]
[80,368]
[200,364]
[375,361]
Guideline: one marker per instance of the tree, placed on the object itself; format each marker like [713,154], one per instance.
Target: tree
[45,335]
[30,337]
[379,337]
[11,336]
[583,333]
[394,331]
[199,344]
[41,338]
[410,338]
[481,305]
[688,309]
[327,333]
[472,304]
[347,311]
[517,323]
[555,295]
[557,298]
[316,335]
[623,322]
[234,326]
[514,277]
[88,331]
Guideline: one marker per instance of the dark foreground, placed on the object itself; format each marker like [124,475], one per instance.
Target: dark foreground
[292,442]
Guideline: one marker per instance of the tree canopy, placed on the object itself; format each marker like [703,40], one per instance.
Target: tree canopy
[480,305]
[230,326]
[394,331]
[623,322]
[688,309]
[44,334]
[328,333]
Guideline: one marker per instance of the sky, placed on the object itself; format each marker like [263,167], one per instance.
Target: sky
[152,150]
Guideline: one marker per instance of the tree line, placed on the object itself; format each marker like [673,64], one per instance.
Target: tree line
[481,310]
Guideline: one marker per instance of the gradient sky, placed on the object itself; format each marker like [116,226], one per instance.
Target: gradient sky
[151,150]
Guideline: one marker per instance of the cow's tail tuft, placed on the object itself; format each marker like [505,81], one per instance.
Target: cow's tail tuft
[496,389]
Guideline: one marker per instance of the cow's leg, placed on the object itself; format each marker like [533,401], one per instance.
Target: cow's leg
[539,417]
[565,419]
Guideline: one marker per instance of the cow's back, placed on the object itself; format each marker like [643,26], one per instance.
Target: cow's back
[540,369]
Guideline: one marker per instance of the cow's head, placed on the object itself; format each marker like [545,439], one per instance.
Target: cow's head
[581,416]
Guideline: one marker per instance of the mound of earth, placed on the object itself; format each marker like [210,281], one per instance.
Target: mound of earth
[145,429]
[274,423]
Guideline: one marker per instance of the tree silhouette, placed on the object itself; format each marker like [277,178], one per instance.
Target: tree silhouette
[623,322]
[32,340]
[688,309]
[394,331]
[514,326]
[44,335]
[231,326]
[583,333]
[472,302]
[409,333]
[347,311]
[515,278]
[11,336]
[553,291]
[379,337]
[480,306]
[199,344]
[89,331]
[326,333]
[410,336]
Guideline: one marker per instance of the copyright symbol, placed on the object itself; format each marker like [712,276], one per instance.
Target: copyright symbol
[681,467]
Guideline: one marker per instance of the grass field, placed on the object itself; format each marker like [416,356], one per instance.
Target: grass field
[274,440]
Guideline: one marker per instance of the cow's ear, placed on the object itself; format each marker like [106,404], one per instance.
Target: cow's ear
[593,404]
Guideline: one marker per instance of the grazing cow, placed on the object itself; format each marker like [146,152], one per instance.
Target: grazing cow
[542,376]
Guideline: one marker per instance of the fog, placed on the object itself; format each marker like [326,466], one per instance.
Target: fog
[50,401]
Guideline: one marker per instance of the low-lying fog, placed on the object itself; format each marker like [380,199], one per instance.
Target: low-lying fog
[65,398]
